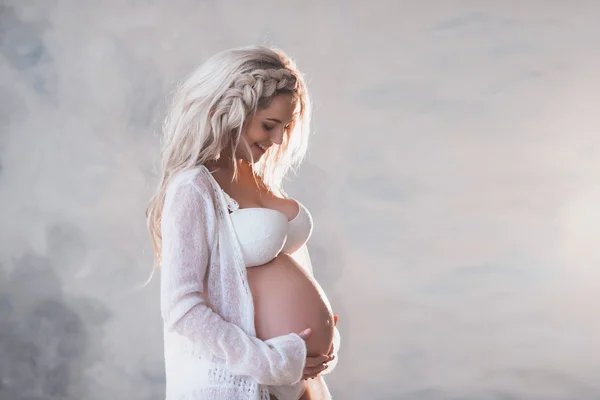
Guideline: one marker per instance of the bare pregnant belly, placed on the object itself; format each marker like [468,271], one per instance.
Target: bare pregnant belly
[287,300]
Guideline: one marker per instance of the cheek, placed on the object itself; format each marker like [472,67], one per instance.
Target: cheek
[255,133]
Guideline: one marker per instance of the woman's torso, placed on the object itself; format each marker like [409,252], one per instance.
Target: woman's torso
[270,230]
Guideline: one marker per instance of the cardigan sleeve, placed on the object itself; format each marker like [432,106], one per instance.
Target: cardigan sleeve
[302,257]
[189,226]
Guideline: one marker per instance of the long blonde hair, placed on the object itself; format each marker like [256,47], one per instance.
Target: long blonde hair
[208,113]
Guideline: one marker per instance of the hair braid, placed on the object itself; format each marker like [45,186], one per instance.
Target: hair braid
[246,93]
[208,113]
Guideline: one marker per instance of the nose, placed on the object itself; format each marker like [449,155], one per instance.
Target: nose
[277,136]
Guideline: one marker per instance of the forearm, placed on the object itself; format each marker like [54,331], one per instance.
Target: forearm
[279,361]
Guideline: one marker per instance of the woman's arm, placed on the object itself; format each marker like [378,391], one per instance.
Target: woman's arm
[302,257]
[189,226]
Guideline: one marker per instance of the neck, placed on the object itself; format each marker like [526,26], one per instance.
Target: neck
[227,162]
[224,163]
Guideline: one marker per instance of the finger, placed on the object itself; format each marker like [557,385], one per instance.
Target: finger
[305,334]
[314,372]
[317,370]
[335,319]
[331,352]
[316,361]
[312,375]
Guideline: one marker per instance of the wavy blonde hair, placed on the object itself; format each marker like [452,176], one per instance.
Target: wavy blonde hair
[208,114]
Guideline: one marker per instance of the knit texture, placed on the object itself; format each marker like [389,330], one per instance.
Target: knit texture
[210,345]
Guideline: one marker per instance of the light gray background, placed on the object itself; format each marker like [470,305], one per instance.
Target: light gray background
[453,175]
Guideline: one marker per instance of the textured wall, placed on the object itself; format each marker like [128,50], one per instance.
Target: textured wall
[453,175]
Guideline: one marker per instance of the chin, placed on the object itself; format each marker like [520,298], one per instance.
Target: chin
[257,156]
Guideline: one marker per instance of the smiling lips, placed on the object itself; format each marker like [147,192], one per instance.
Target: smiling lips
[263,148]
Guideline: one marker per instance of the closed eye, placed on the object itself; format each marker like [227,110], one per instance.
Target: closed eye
[267,127]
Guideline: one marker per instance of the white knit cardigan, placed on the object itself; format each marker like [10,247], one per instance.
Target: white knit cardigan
[210,345]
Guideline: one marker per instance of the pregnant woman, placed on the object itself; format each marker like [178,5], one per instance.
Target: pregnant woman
[243,315]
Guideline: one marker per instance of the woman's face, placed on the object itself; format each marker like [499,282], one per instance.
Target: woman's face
[267,127]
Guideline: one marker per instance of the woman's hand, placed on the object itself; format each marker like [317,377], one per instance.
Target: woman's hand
[316,365]
[331,351]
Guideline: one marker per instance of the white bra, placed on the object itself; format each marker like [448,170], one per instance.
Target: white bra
[263,233]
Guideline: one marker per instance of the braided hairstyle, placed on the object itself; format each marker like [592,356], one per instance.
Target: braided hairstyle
[208,113]
[249,92]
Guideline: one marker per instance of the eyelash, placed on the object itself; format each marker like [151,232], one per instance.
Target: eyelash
[268,128]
